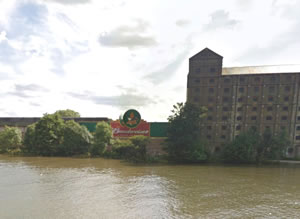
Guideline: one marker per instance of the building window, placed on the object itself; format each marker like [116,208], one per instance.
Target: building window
[224,127]
[270,99]
[257,79]
[210,118]
[273,79]
[210,99]
[298,137]
[286,99]
[240,99]
[210,109]
[254,108]
[287,88]
[290,150]
[211,90]
[285,108]
[197,81]
[256,89]
[196,99]
[208,127]
[239,118]
[224,118]
[208,136]
[238,127]
[271,89]
[223,137]
[298,128]
[242,79]
[241,90]
[255,99]
[225,99]
[226,90]
[298,118]
[239,109]
[225,109]
[269,118]
[269,108]
[283,117]
[253,117]
[198,70]
[298,108]
[226,80]
[212,70]
[211,80]
[197,90]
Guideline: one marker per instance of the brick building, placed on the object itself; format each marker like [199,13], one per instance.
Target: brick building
[239,98]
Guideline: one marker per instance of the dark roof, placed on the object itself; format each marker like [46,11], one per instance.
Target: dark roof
[25,121]
[267,69]
[206,51]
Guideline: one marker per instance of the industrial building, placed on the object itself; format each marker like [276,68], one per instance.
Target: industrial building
[240,98]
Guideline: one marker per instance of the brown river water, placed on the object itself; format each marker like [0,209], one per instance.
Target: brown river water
[102,188]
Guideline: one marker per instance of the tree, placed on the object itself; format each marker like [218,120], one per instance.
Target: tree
[10,138]
[102,137]
[67,113]
[48,135]
[29,140]
[243,149]
[184,143]
[77,139]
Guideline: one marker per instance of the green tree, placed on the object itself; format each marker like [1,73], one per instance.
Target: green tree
[77,139]
[10,139]
[102,137]
[68,113]
[243,149]
[29,140]
[183,142]
[48,135]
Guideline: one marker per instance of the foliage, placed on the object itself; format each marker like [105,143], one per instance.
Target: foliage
[132,149]
[102,138]
[29,140]
[77,139]
[48,136]
[67,113]
[183,142]
[10,138]
[250,147]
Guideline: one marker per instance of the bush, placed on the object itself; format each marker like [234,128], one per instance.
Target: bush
[48,136]
[29,140]
[102,138]
[77,139]
[184,143]
[10,139]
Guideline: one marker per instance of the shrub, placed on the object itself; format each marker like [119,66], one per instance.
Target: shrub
[77,139]
[102,138]
[29,140]
[10,139]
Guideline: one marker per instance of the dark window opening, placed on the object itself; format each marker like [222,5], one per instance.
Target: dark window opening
[211,80]
[286,99]
[257,79]
[210,99]
[290,150]
[211,90]
[226,90]
[224,127]
[226,80]
[240,99]
[197,89]
[255,99]
[242,79]
[298,128]
[197,81]
[223,137]
[224,118]
[271,89]
[212,70]
[287,88]
[253,117]
[273,79]
[209,118]
[269,118]
[298,137]
[270,99]
[254,108]
[209,127]
[298,118]
[239,118]
[208,136]
[256,89]
[225,99]
[196,99]
[225,108]
[217,149]
[269,108]
[239,109]
[285,108]
[283,117]
[241,90]
[198,70]
[238,127]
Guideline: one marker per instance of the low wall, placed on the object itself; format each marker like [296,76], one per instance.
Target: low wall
[155,147]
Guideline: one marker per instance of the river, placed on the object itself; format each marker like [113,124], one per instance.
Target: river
[102,188]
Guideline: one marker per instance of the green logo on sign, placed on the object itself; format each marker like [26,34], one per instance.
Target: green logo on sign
[131,118]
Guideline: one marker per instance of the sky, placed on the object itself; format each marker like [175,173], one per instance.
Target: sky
[102,57]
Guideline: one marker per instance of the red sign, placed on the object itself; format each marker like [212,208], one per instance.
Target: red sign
[122,131]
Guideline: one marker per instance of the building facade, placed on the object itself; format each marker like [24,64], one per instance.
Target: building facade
[240,98]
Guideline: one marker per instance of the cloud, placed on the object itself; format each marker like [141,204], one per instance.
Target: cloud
[70,2]
[220,20]
[122,101]
[167,71]
[128,36]
[23,90]
[182,23]
[3,36]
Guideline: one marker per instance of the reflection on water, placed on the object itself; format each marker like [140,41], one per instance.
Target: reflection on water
[100,188]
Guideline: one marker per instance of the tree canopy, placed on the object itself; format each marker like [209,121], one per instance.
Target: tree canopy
[68,113]
[184,143]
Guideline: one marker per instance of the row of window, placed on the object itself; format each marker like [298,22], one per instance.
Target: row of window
[241,99]
[254,109]
[256,89]
[253,118]
[257,79]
